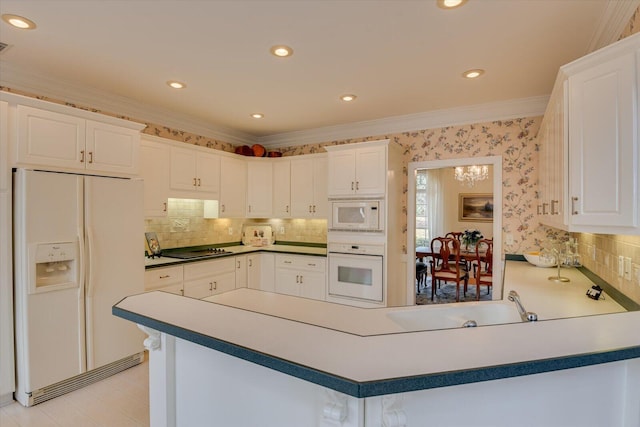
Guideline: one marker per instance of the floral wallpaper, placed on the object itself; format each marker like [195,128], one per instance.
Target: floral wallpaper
[514,140]
[633,26]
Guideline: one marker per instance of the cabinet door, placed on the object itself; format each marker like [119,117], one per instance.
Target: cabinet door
[282,189]
[155,161]
[553,168]
[342,173]
[223,282]
[241,271]
[233,187]
[199,288]
[603,137]
[177,289]
[312,285]
[183,169]
[302,188]
[260,188]
[371,171]
[261,271]
[253,271]
[208,175]
[111,148]
[287,281]
[50,139]
[320,194]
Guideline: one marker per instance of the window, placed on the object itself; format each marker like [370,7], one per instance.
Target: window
[422,221]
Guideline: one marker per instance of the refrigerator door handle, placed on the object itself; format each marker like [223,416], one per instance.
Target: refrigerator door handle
[81,298]
[89,262]
[81,270]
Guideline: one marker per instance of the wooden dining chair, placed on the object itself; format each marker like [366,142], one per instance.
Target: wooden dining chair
[483,265]
[446,265]
[458,236]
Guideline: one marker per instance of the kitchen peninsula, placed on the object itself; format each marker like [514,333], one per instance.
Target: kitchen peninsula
[248,357]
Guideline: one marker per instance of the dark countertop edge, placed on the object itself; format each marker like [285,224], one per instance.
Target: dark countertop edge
[385,386]
[626,302]
[255,249]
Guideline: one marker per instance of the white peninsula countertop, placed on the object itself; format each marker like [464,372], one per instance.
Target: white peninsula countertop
[362,352]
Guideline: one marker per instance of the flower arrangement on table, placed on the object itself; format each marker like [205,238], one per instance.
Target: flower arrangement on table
[471,238]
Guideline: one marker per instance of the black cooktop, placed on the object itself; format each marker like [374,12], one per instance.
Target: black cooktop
[201,253]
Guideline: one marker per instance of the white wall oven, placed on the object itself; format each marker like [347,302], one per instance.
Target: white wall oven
[356,272]
[357,215]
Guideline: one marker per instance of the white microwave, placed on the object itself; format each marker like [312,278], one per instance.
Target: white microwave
[357,215]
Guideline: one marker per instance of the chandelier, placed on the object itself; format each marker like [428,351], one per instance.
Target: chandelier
[471,174]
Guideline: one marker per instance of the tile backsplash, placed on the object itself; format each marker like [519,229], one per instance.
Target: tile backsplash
[607,248]
[184,225]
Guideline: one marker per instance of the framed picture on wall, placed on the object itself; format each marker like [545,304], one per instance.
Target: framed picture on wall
[477,207]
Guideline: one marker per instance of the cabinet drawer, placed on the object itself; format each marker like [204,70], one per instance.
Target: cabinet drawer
[207,268]
[160,277]
[309,263]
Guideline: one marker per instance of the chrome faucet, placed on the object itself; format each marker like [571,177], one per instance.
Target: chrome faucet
[526,316]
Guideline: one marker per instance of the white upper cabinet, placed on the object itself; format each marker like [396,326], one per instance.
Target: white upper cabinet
[553,157]
[233,187]
[357,171]
[282,188]
[309,187]
[592,166]
[603,144]
[194,173]
[69,143]
[259,188]
[155,161]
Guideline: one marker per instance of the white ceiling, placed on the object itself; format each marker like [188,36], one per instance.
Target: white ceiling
[400,57]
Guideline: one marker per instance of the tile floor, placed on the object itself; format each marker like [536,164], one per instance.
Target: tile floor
[121,400]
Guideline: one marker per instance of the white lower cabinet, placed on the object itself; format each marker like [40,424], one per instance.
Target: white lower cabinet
[241,271]
[300,275]
[205,278]
[260,271]
[168,279]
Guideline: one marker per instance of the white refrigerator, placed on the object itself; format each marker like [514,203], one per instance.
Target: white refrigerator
[78,251]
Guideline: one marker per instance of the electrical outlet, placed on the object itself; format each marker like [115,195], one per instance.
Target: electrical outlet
[509,239]
[636,274]
[620,265]
[230,231]
[592,252]
[281,230]
[627,268]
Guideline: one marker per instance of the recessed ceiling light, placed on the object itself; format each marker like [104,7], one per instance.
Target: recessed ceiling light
[281,51]
[450,4]
[257,115]
[348,98]
[472,74]
[176,84]
[19,22]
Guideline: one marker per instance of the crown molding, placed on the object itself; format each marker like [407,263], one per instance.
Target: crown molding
[19,78]
[42,85]
[613,21]
[503,110]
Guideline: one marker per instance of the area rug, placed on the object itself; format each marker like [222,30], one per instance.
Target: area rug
[447,294]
